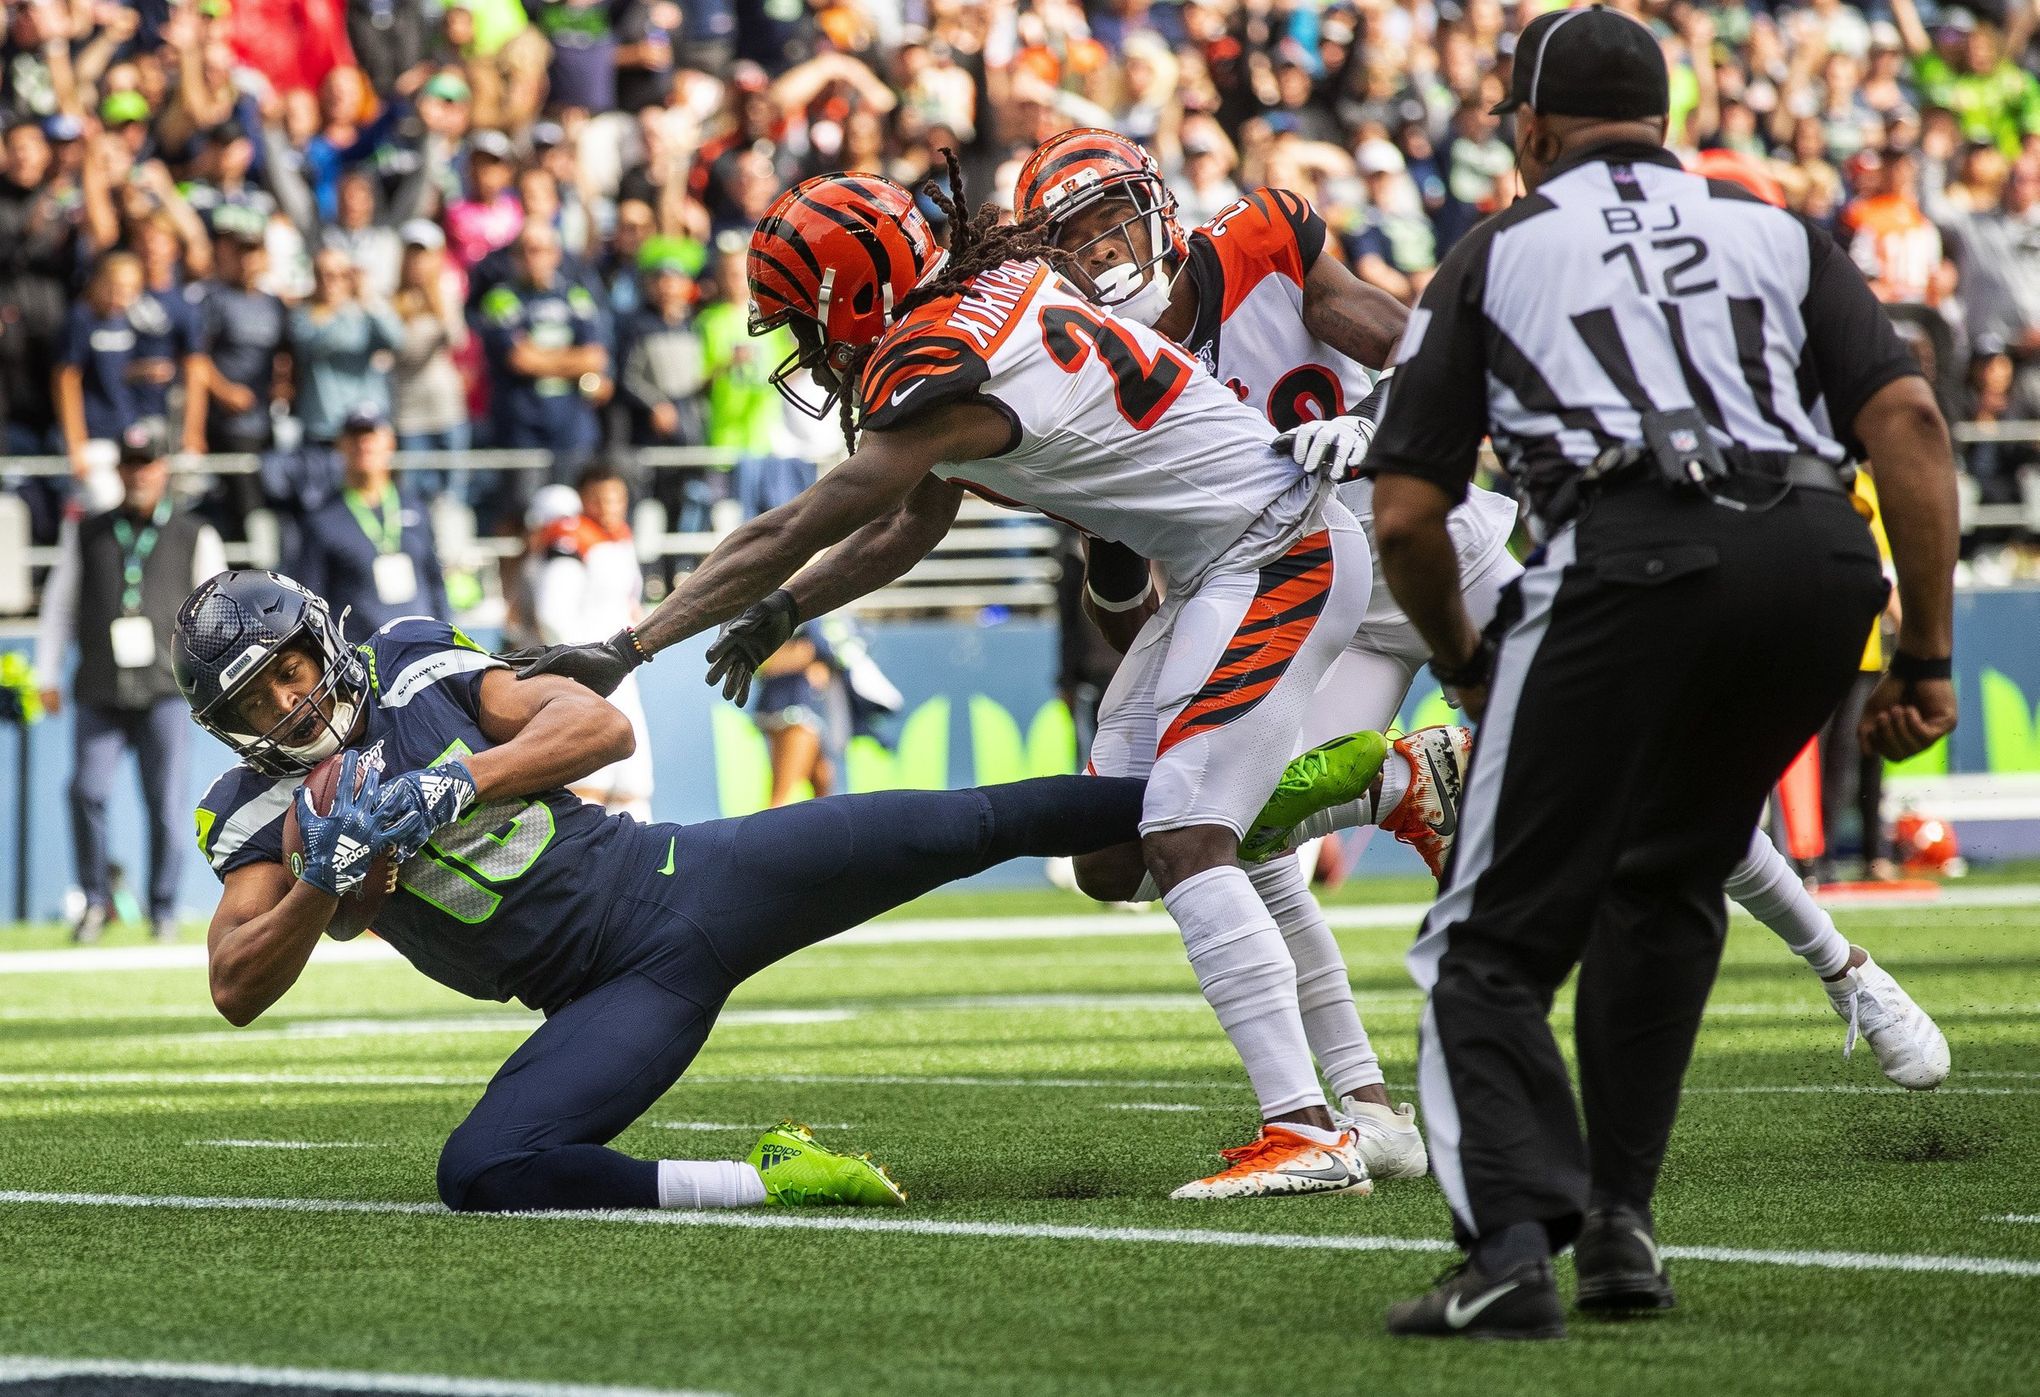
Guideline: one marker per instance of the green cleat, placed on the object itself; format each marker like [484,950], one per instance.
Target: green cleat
[1332,773]
[800,1173]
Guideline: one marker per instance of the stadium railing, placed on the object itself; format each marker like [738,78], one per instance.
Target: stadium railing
[992,557]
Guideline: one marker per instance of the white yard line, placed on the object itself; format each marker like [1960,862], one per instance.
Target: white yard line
[27,1369]
[2024,1218]
[1078,924]
[712,1126]
[1150,1106]
[770,1221]
[287,1144]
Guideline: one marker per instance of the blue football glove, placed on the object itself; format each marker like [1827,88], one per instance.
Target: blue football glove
[340,844]
[413,807]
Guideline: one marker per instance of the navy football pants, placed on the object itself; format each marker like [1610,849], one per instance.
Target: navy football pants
[742,894]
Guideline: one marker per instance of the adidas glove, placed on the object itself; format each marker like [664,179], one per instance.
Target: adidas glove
[411,808]
[748,641]
[340,844]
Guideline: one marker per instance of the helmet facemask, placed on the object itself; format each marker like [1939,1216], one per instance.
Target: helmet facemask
[318,725]
[1137,289]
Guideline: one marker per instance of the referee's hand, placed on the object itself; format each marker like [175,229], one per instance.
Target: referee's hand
[1904,719]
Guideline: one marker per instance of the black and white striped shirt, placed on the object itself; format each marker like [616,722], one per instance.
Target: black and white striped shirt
[1625,285]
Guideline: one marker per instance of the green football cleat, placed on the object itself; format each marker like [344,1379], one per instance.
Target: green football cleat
[799,1173]
[1329,774]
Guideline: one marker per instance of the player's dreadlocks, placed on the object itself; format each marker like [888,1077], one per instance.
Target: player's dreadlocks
[978,243]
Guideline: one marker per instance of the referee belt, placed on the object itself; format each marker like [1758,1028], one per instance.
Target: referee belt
[1786,470]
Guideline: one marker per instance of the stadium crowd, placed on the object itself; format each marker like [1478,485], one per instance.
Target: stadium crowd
[522,225]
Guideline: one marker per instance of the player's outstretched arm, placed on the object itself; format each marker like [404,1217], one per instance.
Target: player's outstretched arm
[1360,321]
[262,933]
[880,552]
[759,557]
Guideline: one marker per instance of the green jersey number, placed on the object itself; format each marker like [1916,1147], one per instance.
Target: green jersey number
[493,844]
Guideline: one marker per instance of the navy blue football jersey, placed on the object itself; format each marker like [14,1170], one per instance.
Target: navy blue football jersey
[508,902]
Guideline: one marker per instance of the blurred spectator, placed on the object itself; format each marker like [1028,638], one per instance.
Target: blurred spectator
[388,36]
[488,215]
[94,391]
[662,372]
[795,696]
[369,550]
[1995,464]
[1205,187]
[1973,70]
[244,332]
[37,254]
[429,396]
[744,409]
[548,367]
[1997,252]
[114,593]
[169,361]
[587,585]
[371,246]
[1888,235]
[340,348]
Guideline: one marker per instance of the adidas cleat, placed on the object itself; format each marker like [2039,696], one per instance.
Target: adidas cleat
[800,1173]
[1331,774]
[1391,1146]
[1427,816]
[1282,1164]
[1909,1046]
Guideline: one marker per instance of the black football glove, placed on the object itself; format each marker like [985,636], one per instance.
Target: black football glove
[748,641]
[600,664]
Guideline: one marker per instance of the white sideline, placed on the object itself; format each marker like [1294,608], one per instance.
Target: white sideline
[933,1227]
[909,931]
[287,1144]
[27,1369]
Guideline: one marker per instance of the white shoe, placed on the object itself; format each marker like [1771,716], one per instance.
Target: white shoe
[1283,1163]
[1909,1046]
[1390,1143]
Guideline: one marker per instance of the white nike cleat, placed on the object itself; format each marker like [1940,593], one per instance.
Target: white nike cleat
[1427,816]
[1909,1046]
[1390,1144]
[1283,1163]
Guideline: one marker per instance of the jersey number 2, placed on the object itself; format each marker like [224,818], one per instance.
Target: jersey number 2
[492,844]
[1142,388]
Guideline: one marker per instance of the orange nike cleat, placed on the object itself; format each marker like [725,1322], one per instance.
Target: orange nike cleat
[1283,1163]
[1427,816]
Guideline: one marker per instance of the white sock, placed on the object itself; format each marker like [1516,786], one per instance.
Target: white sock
[1395,779]
[1770,891]
[1250,983]
[1313,1132]
[1324,994]
[709,1183]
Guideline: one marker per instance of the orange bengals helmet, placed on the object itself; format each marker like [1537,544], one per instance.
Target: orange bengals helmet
[830,259]
[1083,169]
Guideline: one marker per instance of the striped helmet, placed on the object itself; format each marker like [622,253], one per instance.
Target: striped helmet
[830,260]
[1086,168]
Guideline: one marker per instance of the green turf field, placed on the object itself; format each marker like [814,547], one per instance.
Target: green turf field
[1055,1087]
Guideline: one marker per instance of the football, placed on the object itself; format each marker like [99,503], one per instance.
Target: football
[357,909]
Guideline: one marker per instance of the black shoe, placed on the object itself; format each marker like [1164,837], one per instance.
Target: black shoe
[91,926]
[1521,1303]
[1618,1263]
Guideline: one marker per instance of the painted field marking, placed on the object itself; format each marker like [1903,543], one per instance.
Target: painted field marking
[711,1126]
[288,1144]
[36,1369]
[2026,1218]
[934,1227]
[1150,1106]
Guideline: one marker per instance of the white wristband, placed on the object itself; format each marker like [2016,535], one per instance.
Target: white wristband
[1118,606]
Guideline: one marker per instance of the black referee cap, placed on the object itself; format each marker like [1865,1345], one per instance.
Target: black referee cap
[1588,62]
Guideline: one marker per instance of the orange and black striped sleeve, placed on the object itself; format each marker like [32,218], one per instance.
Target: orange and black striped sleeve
[920,364]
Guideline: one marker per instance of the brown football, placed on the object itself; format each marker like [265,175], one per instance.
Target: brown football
[358,908]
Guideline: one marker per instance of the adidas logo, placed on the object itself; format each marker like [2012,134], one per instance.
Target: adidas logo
[346,853]
[772,1156]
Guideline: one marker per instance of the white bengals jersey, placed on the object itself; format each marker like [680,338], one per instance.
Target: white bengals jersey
[1248,267]
[1115,430]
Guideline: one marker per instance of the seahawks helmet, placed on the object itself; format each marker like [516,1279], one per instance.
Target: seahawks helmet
[233,625]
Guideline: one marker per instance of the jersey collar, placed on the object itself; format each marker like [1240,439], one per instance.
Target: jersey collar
[1629,152]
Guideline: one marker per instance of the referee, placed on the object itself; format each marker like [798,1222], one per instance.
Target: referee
[1677,374]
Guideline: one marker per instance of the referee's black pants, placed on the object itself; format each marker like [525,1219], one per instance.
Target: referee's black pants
[1662,660]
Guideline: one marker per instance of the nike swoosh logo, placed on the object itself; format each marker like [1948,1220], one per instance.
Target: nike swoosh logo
[1448,821]
[667,871]
[900,393]
[1649,1245]
[1459,1316]
[1331,1173]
